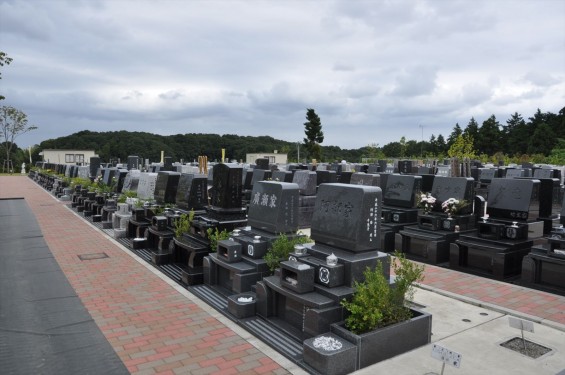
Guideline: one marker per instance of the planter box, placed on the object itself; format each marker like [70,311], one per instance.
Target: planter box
[390,341]
[330,360]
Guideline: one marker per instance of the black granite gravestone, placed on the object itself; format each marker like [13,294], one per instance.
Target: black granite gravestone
[262,163]
[133,162]
[401,190]
[306,181]
[166,187]
[430,240]
[506,236]
[365,179]
[94,165]
[227,186]
[274,207]
[192,192]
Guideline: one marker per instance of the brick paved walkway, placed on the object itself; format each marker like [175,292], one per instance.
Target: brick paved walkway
[156,326]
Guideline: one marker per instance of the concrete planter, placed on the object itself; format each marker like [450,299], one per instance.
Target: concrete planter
[390,341]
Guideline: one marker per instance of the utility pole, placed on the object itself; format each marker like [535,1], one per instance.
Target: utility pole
[298,153]
[422,144]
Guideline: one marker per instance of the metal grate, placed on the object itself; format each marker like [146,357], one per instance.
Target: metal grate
[93,256]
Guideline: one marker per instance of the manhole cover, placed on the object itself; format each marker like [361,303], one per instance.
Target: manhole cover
[531,349]
[93,256]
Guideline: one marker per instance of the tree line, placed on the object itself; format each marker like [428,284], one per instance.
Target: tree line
[541,138]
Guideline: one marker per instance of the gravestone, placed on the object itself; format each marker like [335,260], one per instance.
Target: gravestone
[83,172]
[131,180]
[460,188]
[383,165]
[486,175]
[506,235]
[347,218]
[306,181]
[192,192]
[260,175]
[166,187]
[133,162]
[274,207]
[168,163]
[430,240]
[262,163]
[120,178]
[373,169]
[444,171]
[512,199]
[94,165]
[305,294]
[515,173]
[109,174]
[282,176]
[227,188]
[405,166]
[325,177]
[401,190]
[146,186]
[365,179]
[543,173]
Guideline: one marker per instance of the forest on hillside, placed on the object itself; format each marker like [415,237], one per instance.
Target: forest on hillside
[539,139]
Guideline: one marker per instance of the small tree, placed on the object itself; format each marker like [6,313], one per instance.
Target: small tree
[462,147]
[13,122]
[314,134]
[4,60]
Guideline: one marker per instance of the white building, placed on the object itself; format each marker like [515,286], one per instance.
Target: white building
[274,158]
[67,156]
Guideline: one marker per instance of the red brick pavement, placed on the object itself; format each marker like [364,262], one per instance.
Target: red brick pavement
[154,328]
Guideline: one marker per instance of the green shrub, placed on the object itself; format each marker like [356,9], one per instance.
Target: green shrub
[280,250]
[214,235]
[183,223]
[375,304]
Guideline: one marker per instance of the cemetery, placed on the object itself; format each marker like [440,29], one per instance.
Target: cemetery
[283,250]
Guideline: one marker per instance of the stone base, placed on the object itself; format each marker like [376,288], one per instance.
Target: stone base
[106,225]
[241,309]
[160,257]
[119,233]
[138,243]
[96,218]
[330,362]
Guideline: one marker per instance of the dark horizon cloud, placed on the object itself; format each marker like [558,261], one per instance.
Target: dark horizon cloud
[373,70]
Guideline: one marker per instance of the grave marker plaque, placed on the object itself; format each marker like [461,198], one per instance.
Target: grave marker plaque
[512,199]
[131,180]
[227,186]
[306,181]
[347,216]
[166,187]
[460,188]
[365,179]
[94,165]
[401,190]
[192,192]
[274,207]
[146,186]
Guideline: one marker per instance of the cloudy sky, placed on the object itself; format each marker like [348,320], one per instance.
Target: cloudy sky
[374,71]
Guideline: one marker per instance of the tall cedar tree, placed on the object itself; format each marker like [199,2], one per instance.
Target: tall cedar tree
[314,134]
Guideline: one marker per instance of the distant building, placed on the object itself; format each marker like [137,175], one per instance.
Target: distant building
[67,156]
[274,158]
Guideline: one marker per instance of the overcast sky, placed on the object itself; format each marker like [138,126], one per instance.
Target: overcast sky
[374,71]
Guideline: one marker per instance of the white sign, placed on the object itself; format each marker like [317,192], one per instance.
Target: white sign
[446,356]
[521,324]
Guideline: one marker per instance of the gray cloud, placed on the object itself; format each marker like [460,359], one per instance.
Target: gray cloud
[373,70]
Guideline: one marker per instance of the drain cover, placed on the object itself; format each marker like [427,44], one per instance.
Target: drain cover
[532,349]
[93,256]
